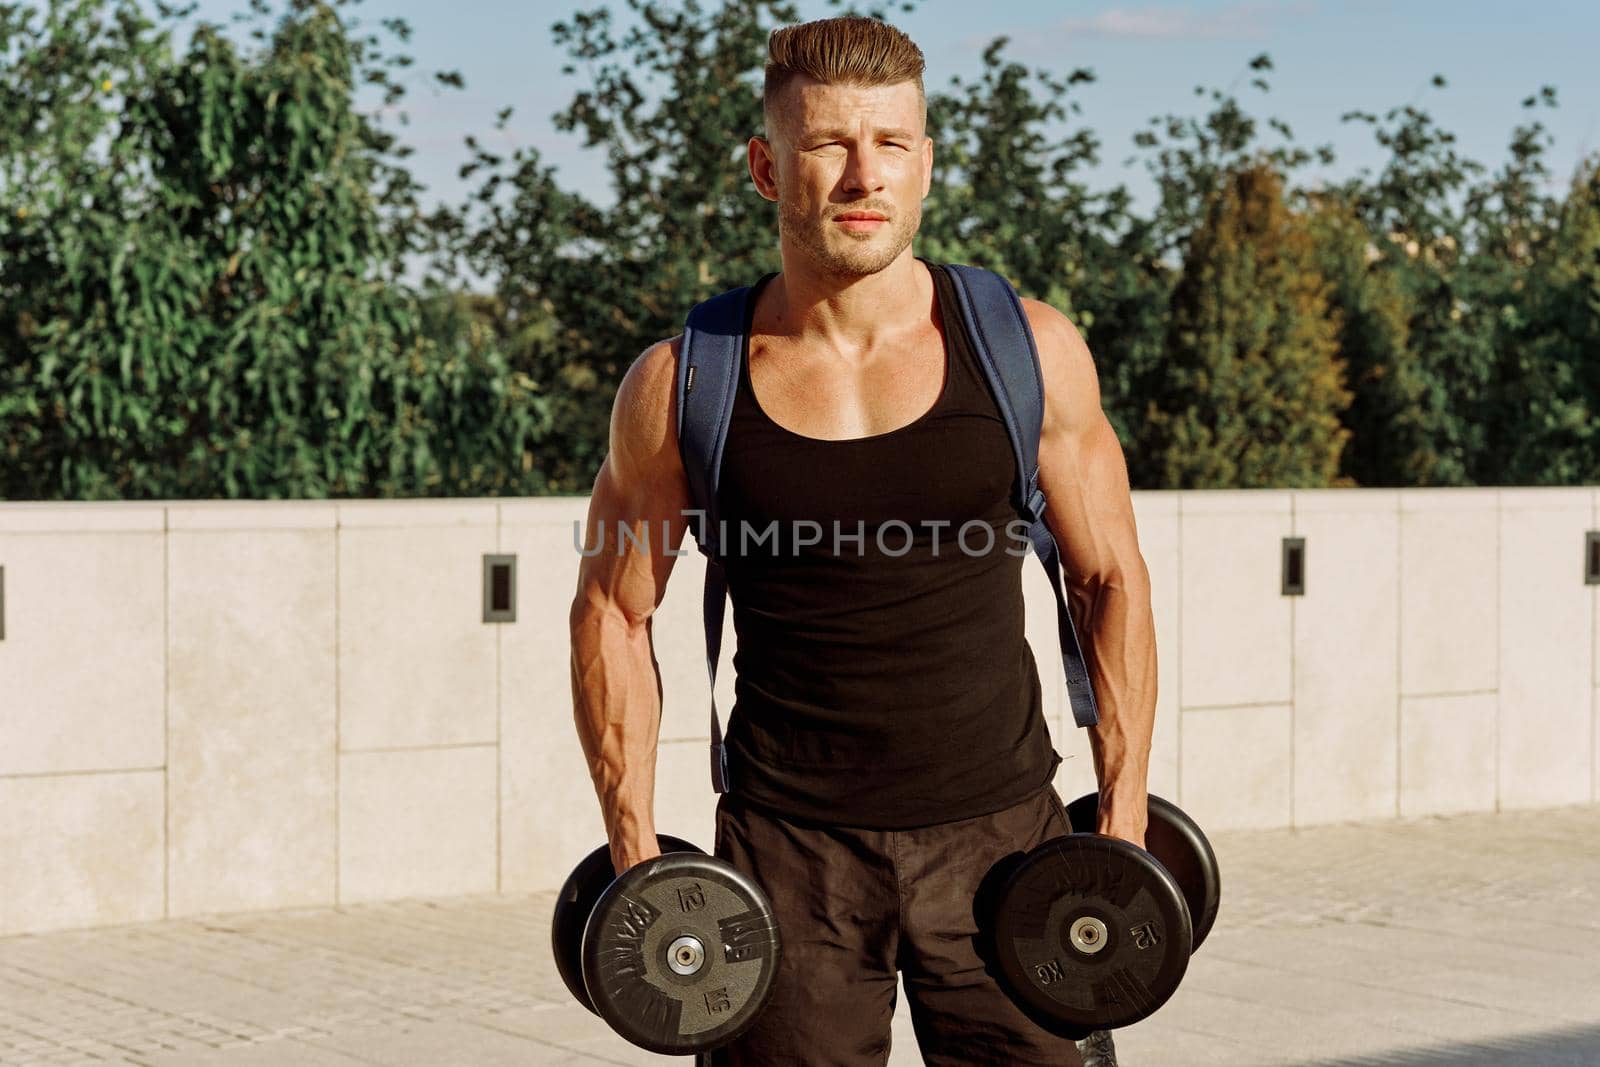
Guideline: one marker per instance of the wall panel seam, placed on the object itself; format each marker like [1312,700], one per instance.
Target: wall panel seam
[1399,639]
[1499,638]
[1294,695]
[442,746]
[166,713]
[499,699]
[338,704]
[85,772]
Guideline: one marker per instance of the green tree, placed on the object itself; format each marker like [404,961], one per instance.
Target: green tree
[1558,389]
[671,103]
[198,285]
[1004,194]
[1250,393]
[1414,203]
[1388,444]
[1189,158]
[201,257]
[1539,420]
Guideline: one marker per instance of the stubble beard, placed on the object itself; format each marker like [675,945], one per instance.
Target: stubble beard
[859,253]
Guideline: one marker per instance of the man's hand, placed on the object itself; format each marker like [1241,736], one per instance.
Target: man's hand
[1125,817]
[624,855]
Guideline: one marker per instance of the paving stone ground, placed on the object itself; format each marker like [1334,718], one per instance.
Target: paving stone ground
[1471,940]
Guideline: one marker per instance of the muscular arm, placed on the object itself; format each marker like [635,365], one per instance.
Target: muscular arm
[616,685]
[1090,513]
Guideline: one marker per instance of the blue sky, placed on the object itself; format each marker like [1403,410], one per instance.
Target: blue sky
[1330,56]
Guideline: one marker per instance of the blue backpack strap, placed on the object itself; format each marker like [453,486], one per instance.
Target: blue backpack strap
[708,378]
[998,327]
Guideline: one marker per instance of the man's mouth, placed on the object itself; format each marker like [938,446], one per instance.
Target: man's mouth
[861,221]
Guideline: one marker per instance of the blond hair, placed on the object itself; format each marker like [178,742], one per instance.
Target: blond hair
[848,50]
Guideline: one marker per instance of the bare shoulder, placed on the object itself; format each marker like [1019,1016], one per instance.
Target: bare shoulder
[644,434]
[1071,384]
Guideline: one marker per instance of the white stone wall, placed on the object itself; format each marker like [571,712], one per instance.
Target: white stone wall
[212,707]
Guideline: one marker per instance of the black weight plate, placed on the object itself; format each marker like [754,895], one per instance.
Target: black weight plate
[576,901]
[680,953]
[1092,932]
[1175,840]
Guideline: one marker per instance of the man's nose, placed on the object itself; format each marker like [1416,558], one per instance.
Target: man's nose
[862,172]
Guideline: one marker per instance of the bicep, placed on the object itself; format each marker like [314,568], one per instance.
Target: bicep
[636,518]
[1082,470]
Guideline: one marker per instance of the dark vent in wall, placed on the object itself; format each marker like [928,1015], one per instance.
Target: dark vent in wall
[499,588]
[1294,566]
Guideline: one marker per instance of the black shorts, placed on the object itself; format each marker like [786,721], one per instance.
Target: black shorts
[858,906]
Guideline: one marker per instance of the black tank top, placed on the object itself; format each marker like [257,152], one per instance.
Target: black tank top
[882,680]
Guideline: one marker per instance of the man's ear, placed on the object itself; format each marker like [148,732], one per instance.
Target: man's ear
[762,163]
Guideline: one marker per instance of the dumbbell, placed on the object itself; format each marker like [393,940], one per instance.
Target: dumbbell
[677,954]
[1091,932]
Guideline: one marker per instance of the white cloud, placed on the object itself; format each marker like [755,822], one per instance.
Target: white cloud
[1233,21]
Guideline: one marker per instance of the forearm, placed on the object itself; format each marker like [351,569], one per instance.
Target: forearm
[1119,645]
[616,693]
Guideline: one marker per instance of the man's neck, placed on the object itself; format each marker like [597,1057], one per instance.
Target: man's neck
[846,314]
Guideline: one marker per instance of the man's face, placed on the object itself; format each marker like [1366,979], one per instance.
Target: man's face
[840,150]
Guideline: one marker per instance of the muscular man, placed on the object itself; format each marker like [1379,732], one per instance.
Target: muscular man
[886,747]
